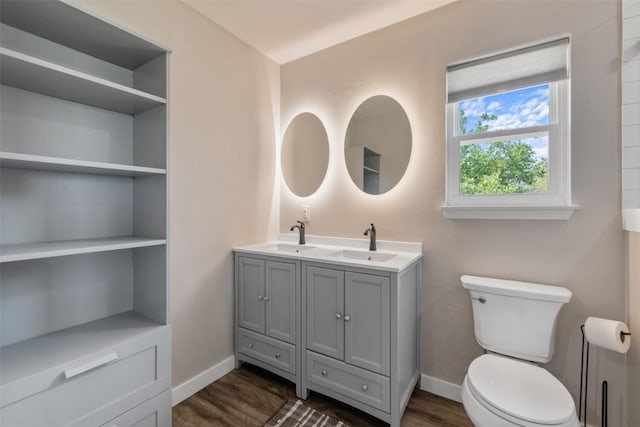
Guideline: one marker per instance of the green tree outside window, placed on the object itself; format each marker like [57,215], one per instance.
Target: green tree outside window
[503,167]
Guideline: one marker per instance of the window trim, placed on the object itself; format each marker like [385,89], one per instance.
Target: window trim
[555,204]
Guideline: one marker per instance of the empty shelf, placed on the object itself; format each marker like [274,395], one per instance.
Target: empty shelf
[26,251]
[72,26]
[35,75]
[59,164]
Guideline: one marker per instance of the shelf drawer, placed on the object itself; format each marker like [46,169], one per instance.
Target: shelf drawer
[268,350]
[91,390]
[155,412]
[350,381]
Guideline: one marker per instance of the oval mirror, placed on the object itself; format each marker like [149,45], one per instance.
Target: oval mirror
[377,146]
[305,154]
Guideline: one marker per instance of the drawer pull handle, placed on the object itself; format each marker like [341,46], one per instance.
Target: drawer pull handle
[70,373]
[250,345]
[338,316]
[260,297]
[324,373]
[347,318]
[365,388]
[277,355]
[266,298]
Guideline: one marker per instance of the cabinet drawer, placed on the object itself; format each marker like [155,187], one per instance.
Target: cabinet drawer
[96,388]
[350,381]
[155,412]
[276,353]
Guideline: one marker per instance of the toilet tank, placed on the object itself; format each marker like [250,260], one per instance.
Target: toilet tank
[514,318]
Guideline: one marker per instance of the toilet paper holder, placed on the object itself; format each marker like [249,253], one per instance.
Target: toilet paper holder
[584,373]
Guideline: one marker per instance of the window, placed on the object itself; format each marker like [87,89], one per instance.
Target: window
[508,142]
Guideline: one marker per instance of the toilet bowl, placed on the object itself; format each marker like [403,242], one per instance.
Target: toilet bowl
[515,323]
[502,392]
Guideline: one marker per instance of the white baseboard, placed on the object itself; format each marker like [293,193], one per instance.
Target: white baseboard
[441,387]
[200,381]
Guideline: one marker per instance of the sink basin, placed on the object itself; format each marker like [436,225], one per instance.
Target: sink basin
[364,255]
[289,247]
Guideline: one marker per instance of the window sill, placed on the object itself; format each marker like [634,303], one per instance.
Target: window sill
[559,212]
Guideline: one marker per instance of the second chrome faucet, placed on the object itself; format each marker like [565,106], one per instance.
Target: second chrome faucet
[371,232]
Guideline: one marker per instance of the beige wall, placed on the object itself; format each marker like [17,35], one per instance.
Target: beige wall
[223,120]
[633,358]
[407,61]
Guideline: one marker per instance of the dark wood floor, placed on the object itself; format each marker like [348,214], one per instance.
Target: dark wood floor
[249,396]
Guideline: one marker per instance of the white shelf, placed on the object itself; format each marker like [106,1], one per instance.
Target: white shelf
[51,351]
[81,30]
[35,75]
[367,169]
[59,164]
[27,251]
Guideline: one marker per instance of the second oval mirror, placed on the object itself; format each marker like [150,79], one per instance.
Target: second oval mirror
[305,154]
[377,146]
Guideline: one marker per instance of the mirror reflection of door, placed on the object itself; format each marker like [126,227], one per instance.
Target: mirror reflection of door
[305,154]
[377,145]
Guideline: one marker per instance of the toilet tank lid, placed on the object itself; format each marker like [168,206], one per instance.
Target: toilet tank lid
[516,288]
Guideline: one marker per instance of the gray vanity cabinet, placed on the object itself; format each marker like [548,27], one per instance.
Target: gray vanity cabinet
[361,329]
[267,292]
[348,330]
[348,317]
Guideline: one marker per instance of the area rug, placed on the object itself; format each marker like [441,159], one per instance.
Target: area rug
[295,414]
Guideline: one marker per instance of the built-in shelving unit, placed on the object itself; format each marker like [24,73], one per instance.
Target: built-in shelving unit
[371,171]
[371,161]
[364,166]
[83,220]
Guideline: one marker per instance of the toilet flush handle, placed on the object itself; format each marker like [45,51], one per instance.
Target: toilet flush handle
[481,299]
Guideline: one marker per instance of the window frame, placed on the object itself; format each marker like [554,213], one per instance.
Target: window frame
[555,204]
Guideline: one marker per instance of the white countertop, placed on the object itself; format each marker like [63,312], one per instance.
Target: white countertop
[390,256]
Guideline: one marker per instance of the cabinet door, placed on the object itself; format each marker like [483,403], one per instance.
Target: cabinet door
[325,305]
[280,305]
[366,321]
[251,293]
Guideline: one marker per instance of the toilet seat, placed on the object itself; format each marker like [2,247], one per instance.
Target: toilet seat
[520,392]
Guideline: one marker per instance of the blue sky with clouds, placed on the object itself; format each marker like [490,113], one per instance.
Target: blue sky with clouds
[517,109]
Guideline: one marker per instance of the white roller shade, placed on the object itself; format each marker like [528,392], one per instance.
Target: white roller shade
[543,63]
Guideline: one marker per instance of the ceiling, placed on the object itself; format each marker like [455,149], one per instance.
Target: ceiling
[285,30]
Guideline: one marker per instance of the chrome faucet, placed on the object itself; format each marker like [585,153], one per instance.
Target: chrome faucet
[300,230]
[371,232]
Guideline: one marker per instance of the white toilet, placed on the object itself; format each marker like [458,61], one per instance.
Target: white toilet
[516,323]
